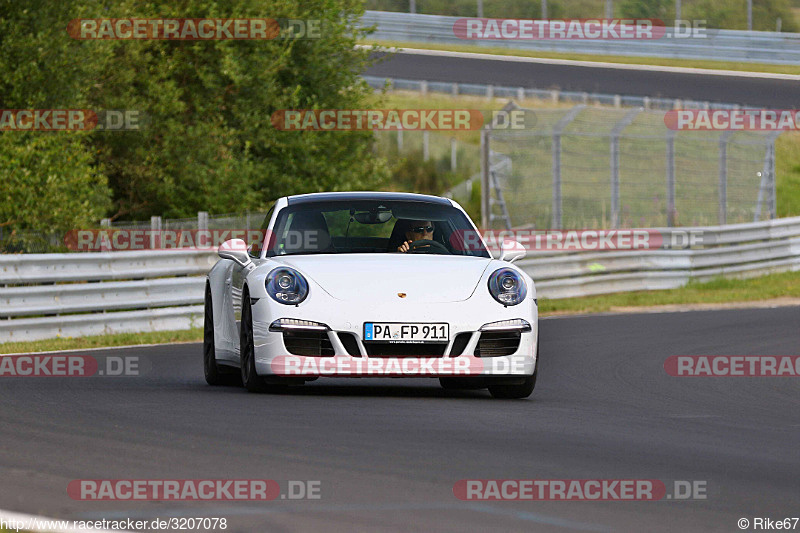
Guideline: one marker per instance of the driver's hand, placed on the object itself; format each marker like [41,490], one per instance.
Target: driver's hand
[404,247]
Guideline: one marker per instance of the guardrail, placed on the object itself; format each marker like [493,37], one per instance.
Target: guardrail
[69,295]
[552,95]
[720,45]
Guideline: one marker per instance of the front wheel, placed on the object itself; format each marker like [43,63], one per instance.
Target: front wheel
[250,379]
[210,368]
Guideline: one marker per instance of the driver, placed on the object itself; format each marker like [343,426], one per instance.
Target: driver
[416,230]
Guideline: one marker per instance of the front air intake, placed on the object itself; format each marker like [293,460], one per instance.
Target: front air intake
[497,343]
[308,342]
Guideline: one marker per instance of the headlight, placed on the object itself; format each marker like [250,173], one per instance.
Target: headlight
[507,286]
[287,286]
[515,324]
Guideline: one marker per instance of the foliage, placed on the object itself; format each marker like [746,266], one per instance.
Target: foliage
[206,142]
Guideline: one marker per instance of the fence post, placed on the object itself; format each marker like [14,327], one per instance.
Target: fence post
[722,217]
[399,140]
[423,87]
[616,131]
[773,208]
[202,220]
[556,164]
[489,92]
[520,94]
[670,178]
[426,141]
[155,232]
[453,153]
[454,91]
[485,190]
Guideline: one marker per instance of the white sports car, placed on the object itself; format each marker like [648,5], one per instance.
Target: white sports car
[362,284]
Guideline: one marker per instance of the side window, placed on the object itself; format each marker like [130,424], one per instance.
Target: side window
[255,240]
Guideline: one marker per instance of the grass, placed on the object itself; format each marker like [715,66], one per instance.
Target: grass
[103,341]
[721,290]
[628,60]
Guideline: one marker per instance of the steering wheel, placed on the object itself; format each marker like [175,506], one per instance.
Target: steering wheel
[427,246]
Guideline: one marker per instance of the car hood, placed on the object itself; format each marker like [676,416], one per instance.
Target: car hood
[422,277]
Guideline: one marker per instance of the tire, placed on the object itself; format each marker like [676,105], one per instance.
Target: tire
[517,391]
[250,379]
[462,383]
[210,368]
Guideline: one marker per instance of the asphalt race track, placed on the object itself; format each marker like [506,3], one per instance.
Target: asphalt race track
[388,452]
[766,92]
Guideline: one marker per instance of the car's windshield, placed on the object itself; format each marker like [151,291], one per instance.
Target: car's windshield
[373,226]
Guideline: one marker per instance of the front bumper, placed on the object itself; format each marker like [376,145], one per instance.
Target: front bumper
[353,359]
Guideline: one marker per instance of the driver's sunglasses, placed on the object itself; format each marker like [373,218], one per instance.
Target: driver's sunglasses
[421,229]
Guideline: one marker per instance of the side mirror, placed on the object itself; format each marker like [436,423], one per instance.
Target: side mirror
[511,251]
[236,250]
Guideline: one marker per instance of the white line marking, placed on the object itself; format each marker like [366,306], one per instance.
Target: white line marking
[592,64]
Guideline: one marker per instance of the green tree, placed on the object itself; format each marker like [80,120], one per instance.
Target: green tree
[207,141]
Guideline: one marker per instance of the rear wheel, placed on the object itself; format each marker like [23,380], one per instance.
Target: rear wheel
[517,390]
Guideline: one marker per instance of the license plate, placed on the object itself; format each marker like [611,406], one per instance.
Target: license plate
[406,332]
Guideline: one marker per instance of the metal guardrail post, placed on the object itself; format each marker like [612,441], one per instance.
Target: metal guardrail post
[556,157]
[453,153]
[155,232]
[723,177]
[616,131]
[202,220]
[670,178]
[426,145]
[399,140]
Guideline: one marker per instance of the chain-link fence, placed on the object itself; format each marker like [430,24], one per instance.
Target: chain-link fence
[589,167]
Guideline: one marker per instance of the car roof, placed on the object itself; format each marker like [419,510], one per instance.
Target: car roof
[366,195]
